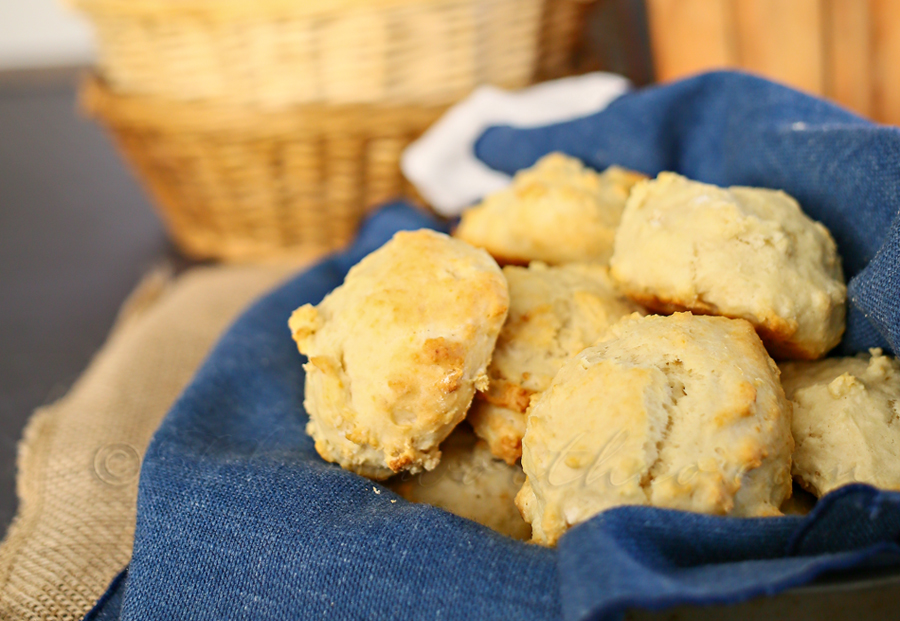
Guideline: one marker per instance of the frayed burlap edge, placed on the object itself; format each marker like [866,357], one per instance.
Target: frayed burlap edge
[79,458]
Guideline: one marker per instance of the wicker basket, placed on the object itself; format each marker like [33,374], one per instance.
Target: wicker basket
[236,184]
[275,53]
[562,28]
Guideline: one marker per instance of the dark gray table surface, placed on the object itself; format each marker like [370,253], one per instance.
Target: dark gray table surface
[76,234]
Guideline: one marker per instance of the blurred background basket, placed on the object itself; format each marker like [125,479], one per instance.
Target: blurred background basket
[235,183]
[283,52]
[268,127]
[562,27]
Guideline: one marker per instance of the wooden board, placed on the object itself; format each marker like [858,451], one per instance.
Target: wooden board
[848,50]
[688,36]
[782,39]
[849,75]
[886,62]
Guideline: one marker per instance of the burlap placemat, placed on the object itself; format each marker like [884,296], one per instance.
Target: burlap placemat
[79,459]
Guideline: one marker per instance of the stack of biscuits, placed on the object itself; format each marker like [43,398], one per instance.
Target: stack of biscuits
[624,354]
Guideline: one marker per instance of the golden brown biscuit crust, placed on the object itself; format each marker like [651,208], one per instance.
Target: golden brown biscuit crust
[557,211]
[738,252]
[555,312]
[684,412]
[774,331]
[397,351]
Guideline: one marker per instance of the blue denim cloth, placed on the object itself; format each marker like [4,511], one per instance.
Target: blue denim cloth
[238,518]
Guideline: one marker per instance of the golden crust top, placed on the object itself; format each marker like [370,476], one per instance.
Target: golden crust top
[739,252]
[684,412]
[397,351]
[557,211]
[555,312]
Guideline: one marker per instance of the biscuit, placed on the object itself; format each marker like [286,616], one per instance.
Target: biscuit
[554,313]
[397,351]
[470,483]
[684,412]
[846,421]
[558,211]
[747,253]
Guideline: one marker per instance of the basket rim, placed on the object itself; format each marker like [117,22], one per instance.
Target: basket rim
[231,9]
[98,100]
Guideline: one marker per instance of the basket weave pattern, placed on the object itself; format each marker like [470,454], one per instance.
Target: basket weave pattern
[561,26]
[237,184]
[268,127]
[277,53]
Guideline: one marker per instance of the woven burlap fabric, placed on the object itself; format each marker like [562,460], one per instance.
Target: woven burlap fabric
[79,459]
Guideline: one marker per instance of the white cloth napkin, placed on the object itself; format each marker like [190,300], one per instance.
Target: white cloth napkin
[442,163]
